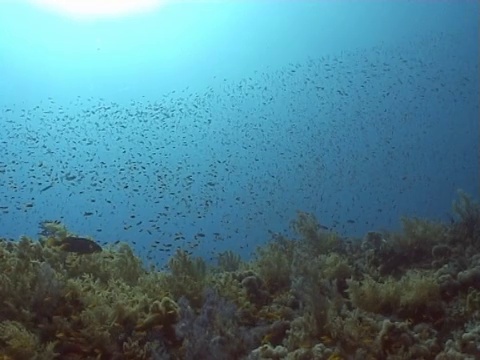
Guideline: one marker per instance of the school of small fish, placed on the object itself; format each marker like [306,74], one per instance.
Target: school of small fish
[345,137]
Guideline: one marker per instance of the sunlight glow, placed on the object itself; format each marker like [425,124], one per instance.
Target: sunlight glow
[99,8]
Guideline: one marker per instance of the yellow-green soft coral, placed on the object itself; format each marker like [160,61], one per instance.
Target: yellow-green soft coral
[16,341]
[163,314]
[187,277]
[314,236]
[273,264]
[416,296]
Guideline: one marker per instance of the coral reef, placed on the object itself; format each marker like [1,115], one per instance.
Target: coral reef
[408,295]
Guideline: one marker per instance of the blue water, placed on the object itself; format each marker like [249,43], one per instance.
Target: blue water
[207,126]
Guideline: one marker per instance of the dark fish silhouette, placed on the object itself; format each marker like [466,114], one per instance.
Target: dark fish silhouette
[79,245]
[46,188]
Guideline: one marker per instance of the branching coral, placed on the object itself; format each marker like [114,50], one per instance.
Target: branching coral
[228,261]
[17,341]
[214,333]
[415,296]
[468,225]
[394,253]
[163,313]
[187,277]
[52,230]
[404,295]
[419,236]
[273,264]
[317,239]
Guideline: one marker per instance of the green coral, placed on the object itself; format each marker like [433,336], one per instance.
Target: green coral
[472,307]
[335,267]
[467,226]
[165,314]
[415,296]
[17,341]
[187,277]
[412,294]
[273,264]
[118,263]
[420,235]
[229,261]
[316,238]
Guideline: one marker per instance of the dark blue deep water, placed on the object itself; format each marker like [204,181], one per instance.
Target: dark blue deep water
[207,126]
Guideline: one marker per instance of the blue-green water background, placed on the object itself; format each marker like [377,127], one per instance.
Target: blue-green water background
[226,118]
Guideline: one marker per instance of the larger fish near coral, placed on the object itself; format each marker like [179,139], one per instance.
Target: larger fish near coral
[75,244]
[79,245]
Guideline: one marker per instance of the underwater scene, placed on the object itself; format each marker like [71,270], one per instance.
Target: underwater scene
[239,180]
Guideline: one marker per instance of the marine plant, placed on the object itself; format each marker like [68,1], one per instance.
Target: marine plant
[467,222]
[273,263]
[392,254]
[18,342]
[418,237]
[53,230]
[472,305]
[297,299]
[187,277]
[228,261]
[163,314]
[318,239]
[214,332]
[117,262]
[415,296]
